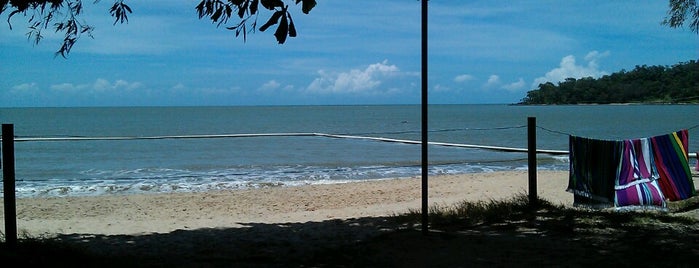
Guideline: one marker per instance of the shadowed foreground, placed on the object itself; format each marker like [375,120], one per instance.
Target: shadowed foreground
[495,233]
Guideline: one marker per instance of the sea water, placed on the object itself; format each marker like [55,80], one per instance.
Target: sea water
[128,166]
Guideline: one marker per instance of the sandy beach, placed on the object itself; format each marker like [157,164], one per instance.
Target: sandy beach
[163,213]
[340,225]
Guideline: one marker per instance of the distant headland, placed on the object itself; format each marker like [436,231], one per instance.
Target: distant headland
[677,84]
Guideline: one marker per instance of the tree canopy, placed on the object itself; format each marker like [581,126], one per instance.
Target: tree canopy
[63,17]
[644,84]
[681,10]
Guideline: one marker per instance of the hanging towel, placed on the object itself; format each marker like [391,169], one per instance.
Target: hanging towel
[637,176]
[593,168]
[671,159]
[631,172]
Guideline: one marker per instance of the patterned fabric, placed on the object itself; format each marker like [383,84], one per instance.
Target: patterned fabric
[642,194]
[672,161]
[593,167]
[639,172]
[636,181]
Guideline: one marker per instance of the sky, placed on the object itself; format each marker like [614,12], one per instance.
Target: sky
[346,53]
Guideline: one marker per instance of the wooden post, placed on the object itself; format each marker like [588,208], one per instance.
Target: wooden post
[8,183]
[531,156]
[425,142]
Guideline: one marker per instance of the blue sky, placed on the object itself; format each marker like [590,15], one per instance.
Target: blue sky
[347,52]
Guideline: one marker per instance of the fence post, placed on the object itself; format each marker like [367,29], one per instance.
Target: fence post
[531,156]
[8,183]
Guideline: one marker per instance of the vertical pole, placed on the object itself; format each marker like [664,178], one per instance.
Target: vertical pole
[8,183]
[425,206]
[531,156]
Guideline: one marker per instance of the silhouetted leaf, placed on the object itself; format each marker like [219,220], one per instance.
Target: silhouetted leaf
[10,17]
[229,12]
[245,34]
[272,20]
[79,7]
[253,6]
[126,7]
[282,30]
[3,3]
[271,4]
[119,11]
[307,5]
[62,15]
[241,10]
[200,9]
[292,28]
[217,14]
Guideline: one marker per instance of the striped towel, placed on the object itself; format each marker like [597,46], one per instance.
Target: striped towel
[671,159]
[639,172]
[637,176]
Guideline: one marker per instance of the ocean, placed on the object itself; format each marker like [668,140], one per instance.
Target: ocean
[154,155]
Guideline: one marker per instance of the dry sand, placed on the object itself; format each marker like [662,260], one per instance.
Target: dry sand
[164,213]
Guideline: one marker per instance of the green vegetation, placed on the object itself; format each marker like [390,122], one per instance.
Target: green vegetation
[64,16]
[644,84]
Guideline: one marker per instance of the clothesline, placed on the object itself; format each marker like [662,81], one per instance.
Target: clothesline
[571,134]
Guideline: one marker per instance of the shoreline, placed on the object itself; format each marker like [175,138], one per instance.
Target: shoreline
[163,213]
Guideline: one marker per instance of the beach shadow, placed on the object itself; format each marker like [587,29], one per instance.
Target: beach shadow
[546,239]
[539,238]
[252,245]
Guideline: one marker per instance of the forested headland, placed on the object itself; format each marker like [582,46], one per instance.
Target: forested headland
[644,84]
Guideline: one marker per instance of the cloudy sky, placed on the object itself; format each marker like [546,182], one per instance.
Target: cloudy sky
[347,52]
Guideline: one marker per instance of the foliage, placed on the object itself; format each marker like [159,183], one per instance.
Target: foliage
[62,16]
[219,12]
[679,11]
[644,84]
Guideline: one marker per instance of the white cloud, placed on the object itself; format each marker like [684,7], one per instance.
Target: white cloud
[440,88]
[568,68]
[67,87]
[354,81]
[178,87]
[26,87]
[493,81]
[463,78]
[217,91]
[515,86]
[594,55]
[99,86]
[269,86]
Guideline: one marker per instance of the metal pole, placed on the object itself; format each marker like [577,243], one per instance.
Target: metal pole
[8,183]
[531,155]
[425,206]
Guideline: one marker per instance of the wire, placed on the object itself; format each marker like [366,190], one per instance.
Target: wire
[554,131]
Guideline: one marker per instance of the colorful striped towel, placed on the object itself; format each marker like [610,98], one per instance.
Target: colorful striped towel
[671,159]
[636,181]
[631,172]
